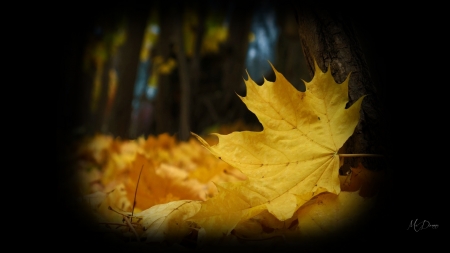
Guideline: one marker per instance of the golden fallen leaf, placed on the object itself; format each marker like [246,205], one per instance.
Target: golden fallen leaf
[160,184]
[165,222]
[293,159]
[100,203]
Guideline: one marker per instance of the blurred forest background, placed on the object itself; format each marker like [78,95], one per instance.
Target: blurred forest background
[174,67]
[158,68]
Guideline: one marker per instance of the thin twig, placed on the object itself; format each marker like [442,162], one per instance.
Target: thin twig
[123,214]
[360,155]
[116,224]
[135,192]
[131,226]
[118,212]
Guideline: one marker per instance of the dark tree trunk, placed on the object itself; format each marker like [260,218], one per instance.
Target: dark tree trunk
[184,78]
[289,57]
[102,117]
[234,63]
[195,66]
[127,64]
[189,70]
[196,57]
[329,37]
[97,75]
[164,120]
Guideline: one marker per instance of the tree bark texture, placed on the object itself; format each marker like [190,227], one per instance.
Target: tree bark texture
[329,37]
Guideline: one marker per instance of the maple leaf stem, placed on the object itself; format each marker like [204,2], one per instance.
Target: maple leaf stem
[360,155]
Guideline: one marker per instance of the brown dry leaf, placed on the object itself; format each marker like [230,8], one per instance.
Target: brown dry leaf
[368,182]
[330,214]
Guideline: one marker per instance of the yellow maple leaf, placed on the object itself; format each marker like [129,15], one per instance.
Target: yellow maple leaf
[293,159]
[165,222]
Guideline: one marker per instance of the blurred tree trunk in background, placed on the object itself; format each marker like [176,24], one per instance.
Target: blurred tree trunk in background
[235,52]
[109,71]
[289,58]
[330,37]
[184,77]
[95,82]
[195,63]
[164,119]
[195,66]
[188,69]
[127,65]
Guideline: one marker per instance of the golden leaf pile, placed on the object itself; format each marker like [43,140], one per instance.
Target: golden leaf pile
[171,171]
[266,186]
